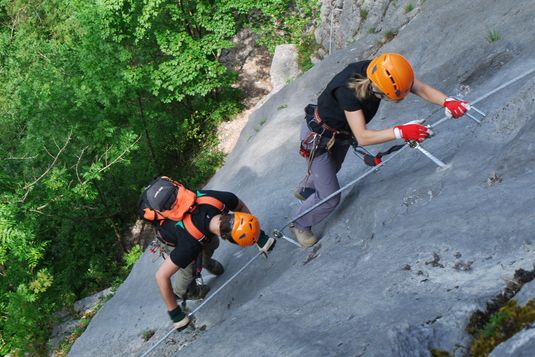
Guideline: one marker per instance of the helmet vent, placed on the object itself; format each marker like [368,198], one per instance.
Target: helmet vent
[390,76]
[245,230]
[396,89]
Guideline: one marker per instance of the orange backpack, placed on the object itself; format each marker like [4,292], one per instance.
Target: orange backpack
[165,198]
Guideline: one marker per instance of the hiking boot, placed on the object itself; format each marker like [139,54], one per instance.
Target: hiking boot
[196,292]
[303,193]
[305,237]
[179,318]
[214,267]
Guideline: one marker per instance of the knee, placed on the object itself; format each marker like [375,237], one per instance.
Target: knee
[333,202]
[211,245]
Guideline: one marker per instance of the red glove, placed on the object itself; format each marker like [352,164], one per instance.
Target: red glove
[411,131]
[455,108]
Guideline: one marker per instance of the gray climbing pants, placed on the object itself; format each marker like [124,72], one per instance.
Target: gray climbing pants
[183,277]
[322,178]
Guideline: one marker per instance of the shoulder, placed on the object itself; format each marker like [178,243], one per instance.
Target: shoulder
[342,78]
[345,94]
[171,231]
[228,198]
[347,99]
[356,68]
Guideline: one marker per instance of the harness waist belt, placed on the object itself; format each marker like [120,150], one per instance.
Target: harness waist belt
[327,127]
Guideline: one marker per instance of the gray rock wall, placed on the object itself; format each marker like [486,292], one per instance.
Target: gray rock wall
[345,21]
[411,251]
[284,67]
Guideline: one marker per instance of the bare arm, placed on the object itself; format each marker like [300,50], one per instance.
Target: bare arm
[365,136]
[425,91]
[163,279]
[216,220]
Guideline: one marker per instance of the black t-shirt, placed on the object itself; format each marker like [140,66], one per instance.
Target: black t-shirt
[338,97]
[188,248]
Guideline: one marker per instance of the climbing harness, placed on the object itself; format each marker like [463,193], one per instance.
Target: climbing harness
[197,270]
[327,129]
[418,146]
[311,146]
[157,248]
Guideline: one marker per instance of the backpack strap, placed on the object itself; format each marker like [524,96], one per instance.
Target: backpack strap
[184,203]
[188,222]
[153,215]
[212,201]
[191,229]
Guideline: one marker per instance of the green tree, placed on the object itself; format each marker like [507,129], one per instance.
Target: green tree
[95,99]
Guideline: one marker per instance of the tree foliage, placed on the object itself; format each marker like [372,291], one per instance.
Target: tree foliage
[96,98]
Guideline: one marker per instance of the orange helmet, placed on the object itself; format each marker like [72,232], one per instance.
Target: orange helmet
[245,229]
[392,73]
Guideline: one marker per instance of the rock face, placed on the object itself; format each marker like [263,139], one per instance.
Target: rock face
[67,323]
[410,252]
[522,344]
[140,233]
[344,21]
[252,64]
[284,67]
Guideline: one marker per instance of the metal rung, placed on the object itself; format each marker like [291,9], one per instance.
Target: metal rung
[473,118]
[418,146]
[479,111]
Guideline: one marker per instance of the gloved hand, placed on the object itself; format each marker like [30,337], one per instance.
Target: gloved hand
[455,107]
[179,318]
[413,130]
[265,243]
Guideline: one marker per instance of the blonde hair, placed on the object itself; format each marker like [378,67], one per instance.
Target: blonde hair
[361,86]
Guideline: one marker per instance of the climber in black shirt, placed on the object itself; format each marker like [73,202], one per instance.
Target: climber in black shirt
[339,120]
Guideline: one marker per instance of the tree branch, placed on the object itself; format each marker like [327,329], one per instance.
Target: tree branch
[78,163]
[29,186]
[48,152]
[120,157]
[144,122]
[18,158]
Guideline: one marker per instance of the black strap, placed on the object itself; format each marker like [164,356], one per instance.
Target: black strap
[371,160]
[160,237]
